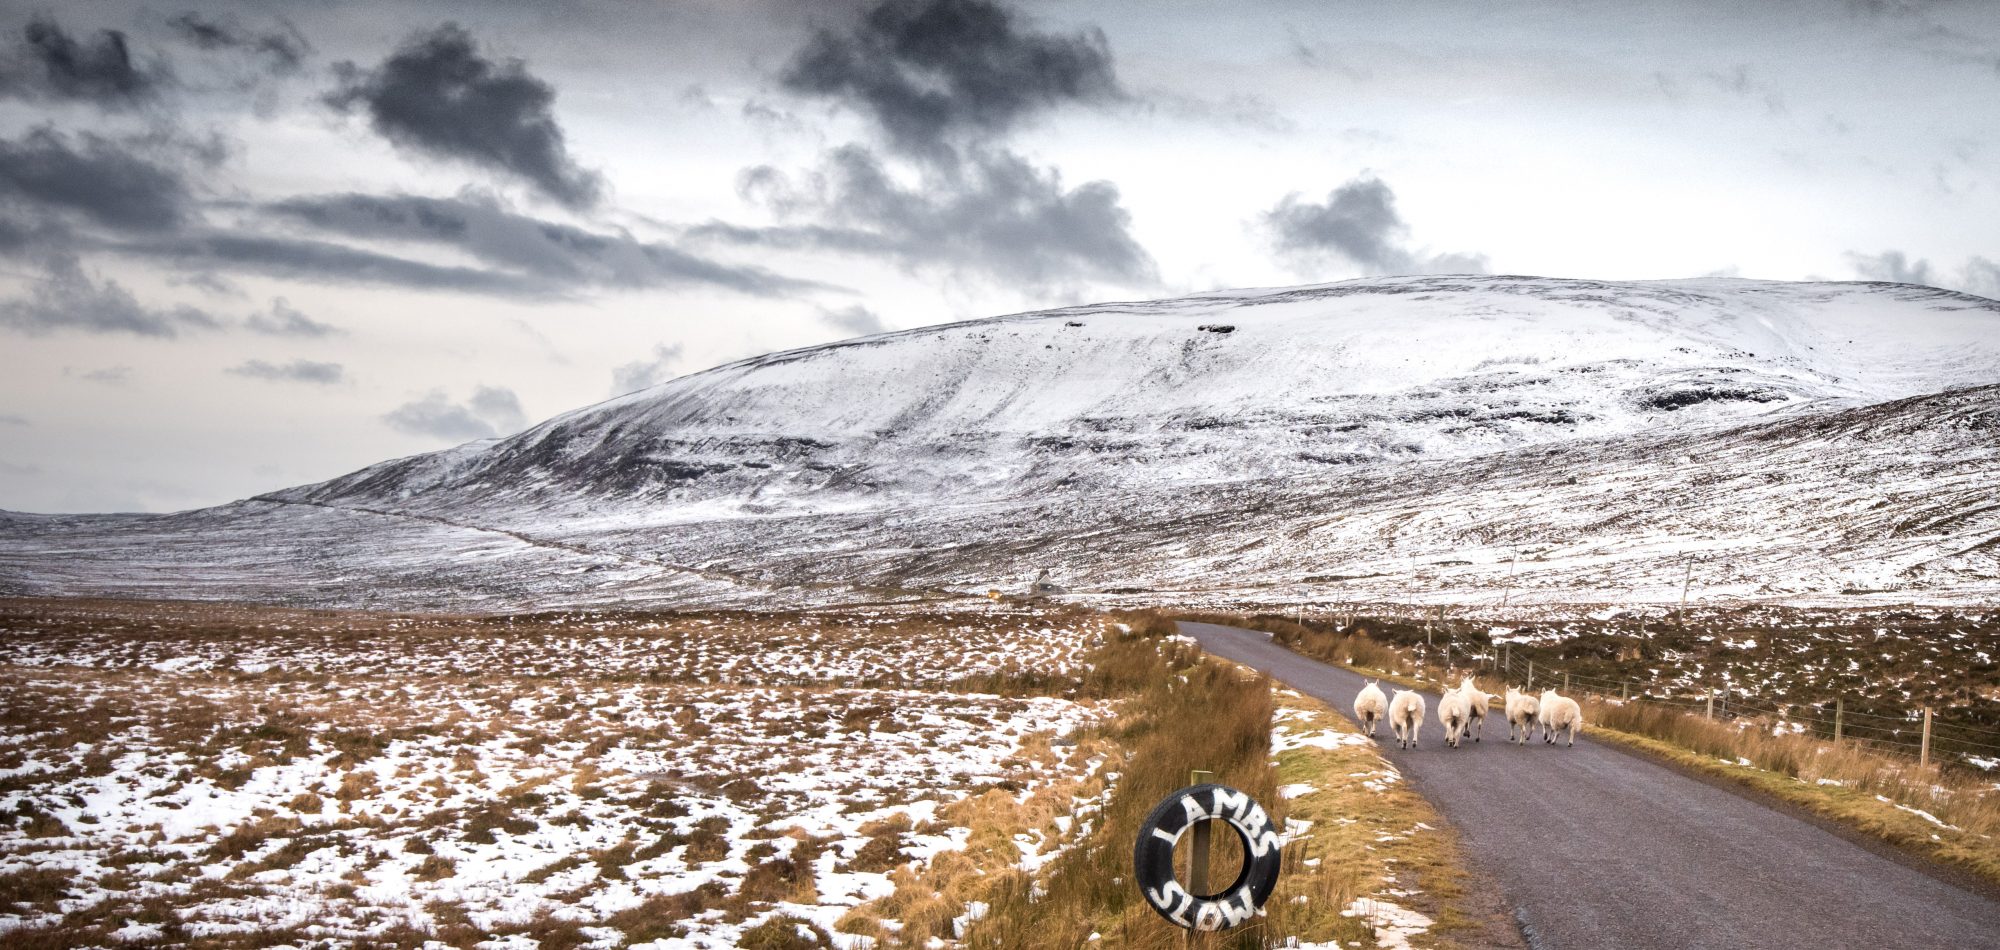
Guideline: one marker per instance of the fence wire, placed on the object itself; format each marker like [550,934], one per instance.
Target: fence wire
[1902,734]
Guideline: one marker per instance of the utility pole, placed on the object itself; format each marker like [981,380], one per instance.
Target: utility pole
[1680,616]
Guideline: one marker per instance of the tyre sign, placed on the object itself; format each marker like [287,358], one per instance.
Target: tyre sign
[1153,858]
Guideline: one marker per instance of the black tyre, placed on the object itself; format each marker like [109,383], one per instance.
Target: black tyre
[1153,858]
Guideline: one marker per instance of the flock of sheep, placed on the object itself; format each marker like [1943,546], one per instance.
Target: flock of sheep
[1463,711]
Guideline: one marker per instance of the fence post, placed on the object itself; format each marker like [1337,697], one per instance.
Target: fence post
[1531,674]
[1198,854]
[1565,681]
[1924,757]
[1621,693]
[1711,704]
[1839,704]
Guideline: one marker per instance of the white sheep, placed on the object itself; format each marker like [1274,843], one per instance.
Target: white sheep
[1559,713]
[1521,711]
[1370,706]
[1453,711]
[1406,717]
[1479,704]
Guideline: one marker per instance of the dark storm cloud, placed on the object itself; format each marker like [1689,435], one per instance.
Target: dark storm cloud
[934,72]
[492,411]
[286,320]
[283,49]
[945,81]
[296,371]
[1359,223]
[94,177]
[658,367]
[1979,276]
[15,236]
[439,96]
[1891,266]
[855,320]
[52,64]
[993,214]
[560,256]
[326,262]
[65,298]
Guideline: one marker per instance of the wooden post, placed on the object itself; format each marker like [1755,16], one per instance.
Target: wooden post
[1838,707]
[1622,695]
[1565,681]
[1531,674]
[1711,704]
[1198,855]
[1924,757]
[1680,616]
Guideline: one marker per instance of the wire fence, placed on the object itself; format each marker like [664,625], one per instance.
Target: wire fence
[1904,735]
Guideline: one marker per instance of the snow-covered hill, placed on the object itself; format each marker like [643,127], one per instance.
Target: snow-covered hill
[1398,438]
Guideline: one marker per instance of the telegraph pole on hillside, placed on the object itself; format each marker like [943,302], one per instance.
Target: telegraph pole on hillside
[1680,616]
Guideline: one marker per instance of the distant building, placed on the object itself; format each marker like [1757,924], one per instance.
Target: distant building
[1043,587]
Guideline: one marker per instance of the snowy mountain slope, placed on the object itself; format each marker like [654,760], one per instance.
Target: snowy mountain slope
[1239,440]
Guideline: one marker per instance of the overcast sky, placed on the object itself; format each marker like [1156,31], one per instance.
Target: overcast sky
[251,245]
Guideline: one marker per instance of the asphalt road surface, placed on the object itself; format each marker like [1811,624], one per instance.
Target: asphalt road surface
[1598,849]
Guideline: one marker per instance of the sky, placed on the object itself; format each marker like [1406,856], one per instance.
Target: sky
[245,246]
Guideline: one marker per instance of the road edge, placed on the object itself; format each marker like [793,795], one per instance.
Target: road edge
[1741,786]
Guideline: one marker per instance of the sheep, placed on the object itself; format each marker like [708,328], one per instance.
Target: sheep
[1559,713]
[1478,705]
[1406,717]
[1521,711]
[1369,707]
[1453,711]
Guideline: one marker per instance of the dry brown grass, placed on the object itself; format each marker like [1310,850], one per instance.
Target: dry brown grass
[1184,714]
[1846,781]
[480,748]
[1347,646]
